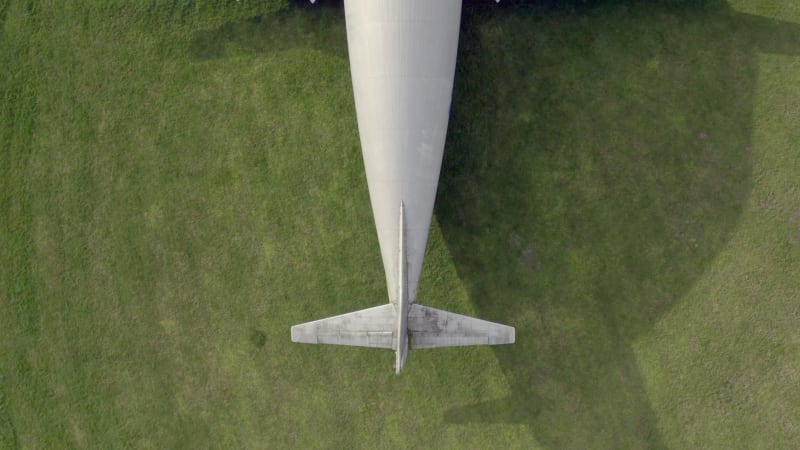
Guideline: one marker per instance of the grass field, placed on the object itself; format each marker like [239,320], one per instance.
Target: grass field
[181,181]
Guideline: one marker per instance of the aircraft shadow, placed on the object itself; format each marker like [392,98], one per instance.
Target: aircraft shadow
[598,158]
[303,25]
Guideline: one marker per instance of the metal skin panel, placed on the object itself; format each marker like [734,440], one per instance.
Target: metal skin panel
[402,62]
[371,327]
[432,328]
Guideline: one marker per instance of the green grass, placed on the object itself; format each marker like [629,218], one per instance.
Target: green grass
[180,183]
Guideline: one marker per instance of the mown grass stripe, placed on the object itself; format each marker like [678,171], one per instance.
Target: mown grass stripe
[17,119]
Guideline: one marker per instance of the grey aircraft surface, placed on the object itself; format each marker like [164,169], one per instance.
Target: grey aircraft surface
[402,62]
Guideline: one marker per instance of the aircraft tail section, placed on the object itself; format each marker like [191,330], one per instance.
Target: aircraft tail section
[425,327]
[432,328]
[402,324]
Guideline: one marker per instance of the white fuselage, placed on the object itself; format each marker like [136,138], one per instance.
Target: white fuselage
[402,62]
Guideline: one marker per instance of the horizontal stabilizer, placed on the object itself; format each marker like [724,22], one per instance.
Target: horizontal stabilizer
[431,328]
[371,327]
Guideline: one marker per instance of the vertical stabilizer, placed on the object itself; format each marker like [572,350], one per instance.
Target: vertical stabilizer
[402,296]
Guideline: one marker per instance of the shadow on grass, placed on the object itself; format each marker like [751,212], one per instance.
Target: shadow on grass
[295,27]
[598,159]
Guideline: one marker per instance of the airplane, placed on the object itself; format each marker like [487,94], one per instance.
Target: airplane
[402,63]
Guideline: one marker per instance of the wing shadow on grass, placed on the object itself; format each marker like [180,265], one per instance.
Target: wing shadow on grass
[598,159]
